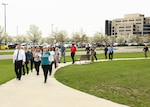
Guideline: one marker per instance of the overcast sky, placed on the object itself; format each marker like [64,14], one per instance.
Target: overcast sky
[69,15]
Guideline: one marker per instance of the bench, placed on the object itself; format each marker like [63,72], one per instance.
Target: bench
[84,58]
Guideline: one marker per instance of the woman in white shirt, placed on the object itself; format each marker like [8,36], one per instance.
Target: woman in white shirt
[57,54]
[37,59]
[51,58]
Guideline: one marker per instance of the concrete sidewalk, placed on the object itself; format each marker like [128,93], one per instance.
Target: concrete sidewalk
[31,91]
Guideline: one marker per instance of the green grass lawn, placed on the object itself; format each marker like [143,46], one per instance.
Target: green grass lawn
[116,55]
[6,53]
[125,82]
[6,71]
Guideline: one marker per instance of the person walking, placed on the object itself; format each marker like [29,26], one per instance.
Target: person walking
[105,51]
[111,52]
[45,62]
[145,49]
[55,61]
[18,61]
[58,55]
[73,51]
[27,55]
[88,49]
[62,50]
[93,53]
[32,58]
[37,59]
[51,58]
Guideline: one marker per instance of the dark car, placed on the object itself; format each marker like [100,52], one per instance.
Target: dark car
[12,46]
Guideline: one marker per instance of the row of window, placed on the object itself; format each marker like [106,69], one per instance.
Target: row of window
[130,20]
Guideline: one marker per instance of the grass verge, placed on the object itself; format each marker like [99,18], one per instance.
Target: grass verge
[125,82]
[6,71]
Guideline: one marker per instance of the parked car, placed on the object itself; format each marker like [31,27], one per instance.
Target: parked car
[3,46]
[25,44]
[12,46]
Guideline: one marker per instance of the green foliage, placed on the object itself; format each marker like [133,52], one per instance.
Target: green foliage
[125,82]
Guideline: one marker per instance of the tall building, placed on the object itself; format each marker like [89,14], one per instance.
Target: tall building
[131,24]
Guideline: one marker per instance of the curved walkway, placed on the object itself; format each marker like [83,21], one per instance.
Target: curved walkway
[32,92]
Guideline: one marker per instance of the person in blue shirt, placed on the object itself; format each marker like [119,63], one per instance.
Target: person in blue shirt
[62,50]
[45,62]
[111,52]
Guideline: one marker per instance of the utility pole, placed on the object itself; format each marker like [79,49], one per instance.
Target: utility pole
[17,31]
[5,19]
[52,29]
[4,15]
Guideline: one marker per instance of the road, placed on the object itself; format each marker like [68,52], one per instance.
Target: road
[117,50]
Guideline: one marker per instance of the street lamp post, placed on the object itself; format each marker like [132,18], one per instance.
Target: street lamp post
[4,15]
[52,28]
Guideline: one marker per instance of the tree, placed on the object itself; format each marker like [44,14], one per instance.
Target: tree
[120,39]
[49,39]
[10,39]
[84,38]
[6,38]
[146,38]
[97,37]
[21,38]
[136,38]
[61,36]
[34,34]
[129,38]
[76,37]
[112,39]
[106,39]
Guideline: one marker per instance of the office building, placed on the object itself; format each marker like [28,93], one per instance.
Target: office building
[131,24]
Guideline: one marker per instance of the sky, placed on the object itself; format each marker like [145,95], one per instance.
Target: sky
[68,15]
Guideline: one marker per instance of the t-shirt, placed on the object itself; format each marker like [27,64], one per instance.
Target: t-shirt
[37,56]
[63,49]
[45,58]
[51,57]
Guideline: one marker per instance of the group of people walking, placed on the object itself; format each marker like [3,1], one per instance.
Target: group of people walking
[44,56]
[37,56]
[108,51]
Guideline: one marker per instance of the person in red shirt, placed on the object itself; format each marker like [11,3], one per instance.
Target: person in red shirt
[73,51]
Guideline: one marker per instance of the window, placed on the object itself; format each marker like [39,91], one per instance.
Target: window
[121,30]
[128,30]
[118,20]
[124,20]
[131,20]
[121,27]
[138,19]
[128,26]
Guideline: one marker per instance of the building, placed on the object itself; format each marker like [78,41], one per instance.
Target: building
[131,24]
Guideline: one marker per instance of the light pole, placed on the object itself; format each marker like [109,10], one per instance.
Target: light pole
[4,15]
